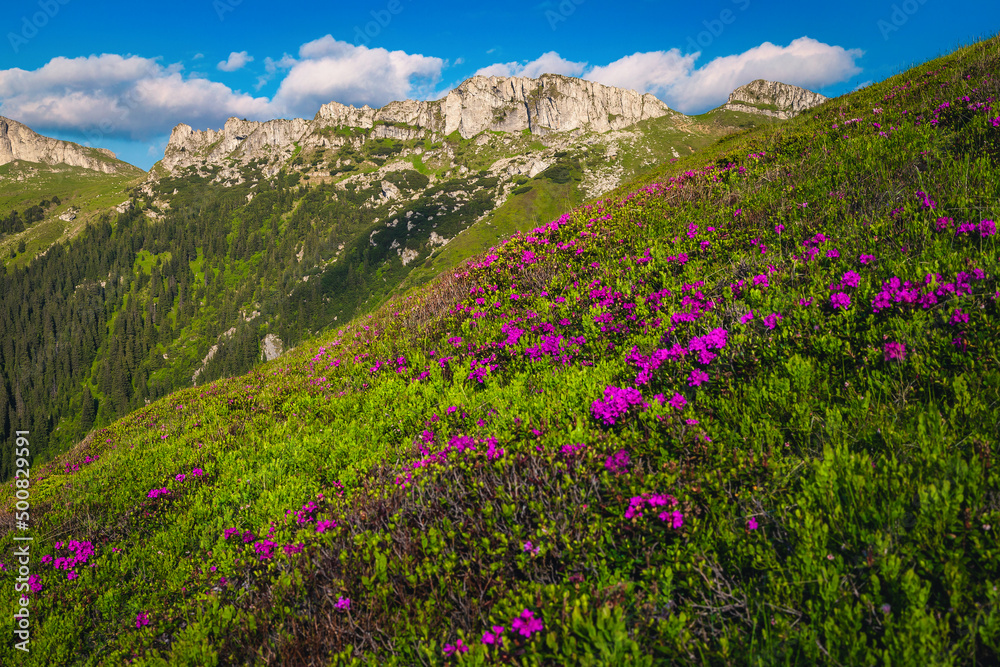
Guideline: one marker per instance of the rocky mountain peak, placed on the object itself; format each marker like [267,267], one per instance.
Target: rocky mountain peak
[20,142]
[772,98]
[548,104]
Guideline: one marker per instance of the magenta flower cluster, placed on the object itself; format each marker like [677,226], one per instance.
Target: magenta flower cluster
[457,647]
[894,351]
[840,300]
[649,501]
[525,624]
[180,477]
[459,444]
[616,402]
[984,227]
[81,552]
[618,462]
[74,467]
[305,515]
[697,378]
[895,292]
[264,549]
[324,525]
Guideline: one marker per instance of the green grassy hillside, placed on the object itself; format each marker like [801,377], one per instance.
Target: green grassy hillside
[742,412]
[83,191]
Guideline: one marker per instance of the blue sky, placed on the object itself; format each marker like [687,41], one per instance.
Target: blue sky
[122,75]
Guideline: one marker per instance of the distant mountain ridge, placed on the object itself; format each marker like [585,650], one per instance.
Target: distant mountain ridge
[20,142]
[550,104]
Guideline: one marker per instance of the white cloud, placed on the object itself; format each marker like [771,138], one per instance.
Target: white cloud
[328,69]
[235,61]
[645,72]
[673,78]
[547,63]
[285,62]
[114,96]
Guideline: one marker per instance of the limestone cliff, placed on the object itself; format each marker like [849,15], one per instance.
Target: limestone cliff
[19,142]
[772,98]
[549,104]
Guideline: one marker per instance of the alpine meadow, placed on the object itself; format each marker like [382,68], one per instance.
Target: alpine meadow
[687,390]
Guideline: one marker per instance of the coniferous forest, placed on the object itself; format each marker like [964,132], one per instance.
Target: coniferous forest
[104,323]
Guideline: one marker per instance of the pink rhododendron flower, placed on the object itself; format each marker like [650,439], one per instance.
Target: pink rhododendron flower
[894,351]
[697,378]
[527,624]
[458,647]
[494,637]
[840,300]
[618,462]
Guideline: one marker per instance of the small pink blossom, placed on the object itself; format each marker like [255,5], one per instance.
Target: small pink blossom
[894,351]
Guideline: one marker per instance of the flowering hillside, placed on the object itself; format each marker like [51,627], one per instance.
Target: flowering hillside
[745,412]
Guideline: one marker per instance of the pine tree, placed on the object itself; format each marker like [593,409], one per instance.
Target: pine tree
[86,410]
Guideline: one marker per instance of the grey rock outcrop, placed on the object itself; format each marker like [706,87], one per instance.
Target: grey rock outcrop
[19,142]
[772,98]
[244,140]
[549,104]
[271,347]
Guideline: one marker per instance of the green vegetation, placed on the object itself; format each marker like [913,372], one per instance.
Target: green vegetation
[543,200]
[727,120]
[741,412]
[87,192]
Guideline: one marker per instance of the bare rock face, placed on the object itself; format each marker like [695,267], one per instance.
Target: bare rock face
[243,139]
[271,347]
[551,103]
[19,142]
[772,98]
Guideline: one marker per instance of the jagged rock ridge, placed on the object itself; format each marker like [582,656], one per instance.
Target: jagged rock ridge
[772,98]
[549,104]
[19,142]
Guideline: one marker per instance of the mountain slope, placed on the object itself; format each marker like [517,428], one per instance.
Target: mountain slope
[285,228]
[740,412]
[50,189]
